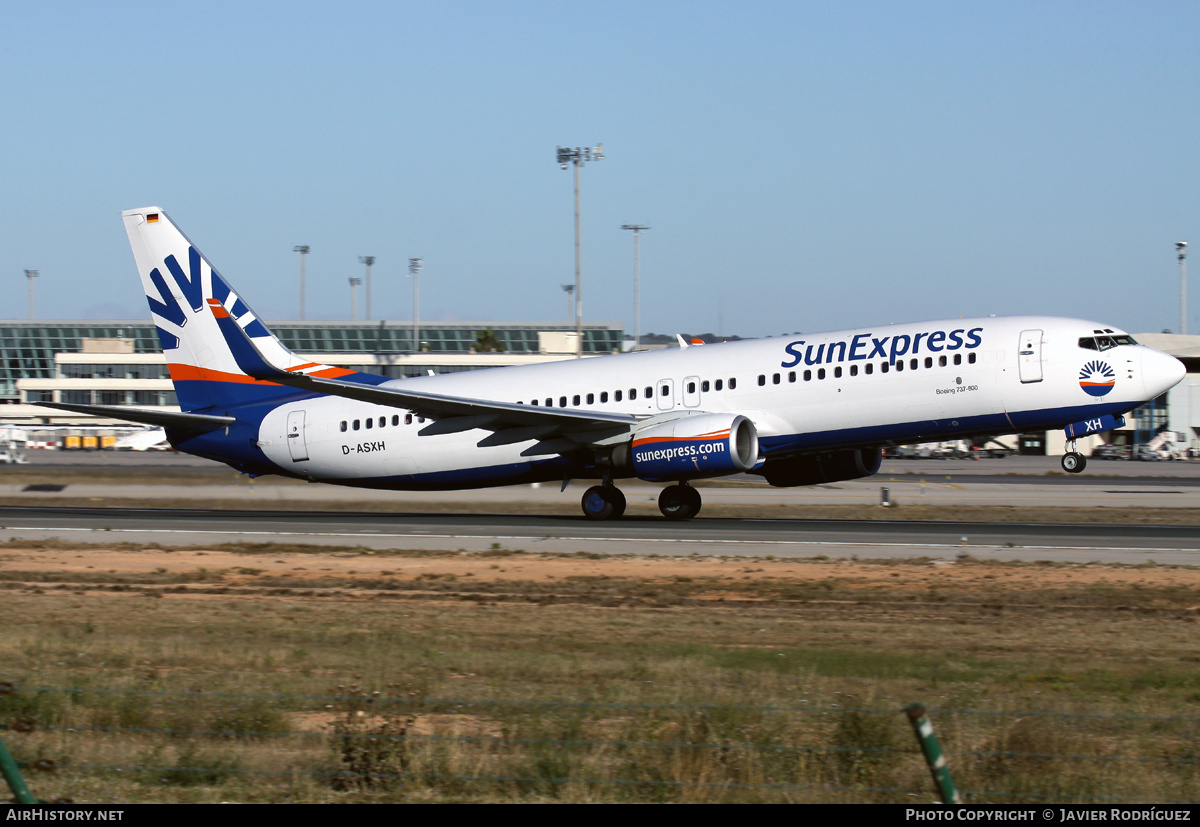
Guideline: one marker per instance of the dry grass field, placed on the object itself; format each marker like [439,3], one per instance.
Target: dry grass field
[287,673]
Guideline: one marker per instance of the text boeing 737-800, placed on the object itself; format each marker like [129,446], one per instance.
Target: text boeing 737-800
[798,410]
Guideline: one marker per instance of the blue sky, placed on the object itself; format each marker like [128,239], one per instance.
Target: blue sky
[803,166]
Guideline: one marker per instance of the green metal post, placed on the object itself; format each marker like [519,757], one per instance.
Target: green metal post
[934,756]
[8,767]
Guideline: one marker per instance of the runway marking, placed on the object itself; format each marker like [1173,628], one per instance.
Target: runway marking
[560,538]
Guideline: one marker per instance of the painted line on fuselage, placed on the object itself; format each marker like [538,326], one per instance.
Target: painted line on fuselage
[531,537]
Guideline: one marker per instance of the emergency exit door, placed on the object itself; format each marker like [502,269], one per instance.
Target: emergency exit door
[295,436]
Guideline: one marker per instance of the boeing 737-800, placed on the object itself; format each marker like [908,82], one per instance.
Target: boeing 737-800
[800,410]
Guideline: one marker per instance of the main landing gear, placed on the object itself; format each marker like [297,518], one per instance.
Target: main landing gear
[1073,462]
[606,502]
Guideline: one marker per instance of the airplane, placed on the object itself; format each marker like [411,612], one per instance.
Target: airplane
[796,410]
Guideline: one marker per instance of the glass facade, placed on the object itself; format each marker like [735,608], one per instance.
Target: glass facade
[27,348]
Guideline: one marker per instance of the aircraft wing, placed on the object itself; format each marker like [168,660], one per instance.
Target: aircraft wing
[198,423]
[455,412]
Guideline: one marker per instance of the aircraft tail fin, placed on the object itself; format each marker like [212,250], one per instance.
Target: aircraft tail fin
[181,287]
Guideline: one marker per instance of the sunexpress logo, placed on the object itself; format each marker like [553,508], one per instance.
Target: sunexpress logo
[166,305]
[863,346]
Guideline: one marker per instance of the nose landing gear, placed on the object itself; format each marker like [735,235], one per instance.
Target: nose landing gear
[1073,462]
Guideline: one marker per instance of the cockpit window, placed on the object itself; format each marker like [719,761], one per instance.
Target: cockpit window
[1105,342]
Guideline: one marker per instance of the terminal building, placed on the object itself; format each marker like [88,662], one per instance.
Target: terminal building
[121,362]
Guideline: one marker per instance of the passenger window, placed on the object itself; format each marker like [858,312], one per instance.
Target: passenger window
[575,401]
[344,426]
[420,420]
[633,393]
[854,370]
[899,364]
[370,423]
[591,399]
[603,397]
[732,383]
[928,361]
[837,373]
[650,392]
[666,390]
[958,358]
[383,422]
[562,401]
[533,402]
[791,376]
[617,396]
[762,380]
[820,373]
[691,387]
[549,402]
[408,419]
[971,358]
[870,368]
[914,363]
[808,376]
[775,378]
[704,386]
[883,367]
[719,384]
[356,424]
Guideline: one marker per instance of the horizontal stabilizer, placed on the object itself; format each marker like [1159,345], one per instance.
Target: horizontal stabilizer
[197,423]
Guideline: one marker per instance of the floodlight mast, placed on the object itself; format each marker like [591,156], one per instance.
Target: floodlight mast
[638,229]
[31,275]
[414,270]
[368,260]
[569,289]
[1181,250]
[302,249]
[355,281]
[578,157]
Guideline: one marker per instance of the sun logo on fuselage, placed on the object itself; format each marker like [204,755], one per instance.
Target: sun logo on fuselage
[1097,378]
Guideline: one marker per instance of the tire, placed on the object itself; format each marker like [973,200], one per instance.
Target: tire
[679,502]
[1073,463]
[597,504]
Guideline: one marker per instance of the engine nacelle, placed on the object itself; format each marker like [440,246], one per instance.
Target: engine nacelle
[831,466]
[704,445]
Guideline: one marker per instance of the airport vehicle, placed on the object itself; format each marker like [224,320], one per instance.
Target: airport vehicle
[796,410]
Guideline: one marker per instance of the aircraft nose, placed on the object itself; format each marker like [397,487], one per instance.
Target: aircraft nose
[1160,372]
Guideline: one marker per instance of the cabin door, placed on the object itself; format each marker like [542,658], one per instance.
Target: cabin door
[1029,355]
[297,444]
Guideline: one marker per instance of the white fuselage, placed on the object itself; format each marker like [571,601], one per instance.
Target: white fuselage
[803,393]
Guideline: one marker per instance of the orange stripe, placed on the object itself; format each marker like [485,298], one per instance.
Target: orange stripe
[191,373]
[333,373]
[218,309]
[302,367]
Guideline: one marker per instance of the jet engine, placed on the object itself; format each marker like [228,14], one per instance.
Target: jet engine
[704,445]
[829,466]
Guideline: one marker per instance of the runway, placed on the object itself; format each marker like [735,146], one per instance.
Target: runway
[794,538]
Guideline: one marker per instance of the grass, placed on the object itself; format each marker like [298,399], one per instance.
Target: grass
[768,680]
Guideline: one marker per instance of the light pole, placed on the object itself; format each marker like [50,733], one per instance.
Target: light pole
[1181,247]
[368,260]
[637,281]
[578,157]
[31,275]
[355,281]
[302,249]
[569,289]
[414,270]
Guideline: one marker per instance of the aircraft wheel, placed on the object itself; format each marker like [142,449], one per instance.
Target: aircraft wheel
[1074,463]
[603,502]
[679,502]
